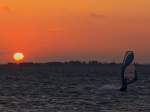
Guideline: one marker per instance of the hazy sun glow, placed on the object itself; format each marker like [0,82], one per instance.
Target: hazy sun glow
[18,56]
[62,30]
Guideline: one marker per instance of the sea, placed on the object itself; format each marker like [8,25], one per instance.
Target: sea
[71,88]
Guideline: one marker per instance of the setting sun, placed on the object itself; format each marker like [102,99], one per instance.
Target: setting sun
[18,56]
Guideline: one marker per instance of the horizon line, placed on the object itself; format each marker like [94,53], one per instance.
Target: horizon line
[69,62]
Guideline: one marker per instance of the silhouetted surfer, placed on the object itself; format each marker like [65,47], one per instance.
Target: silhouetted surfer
[128,72]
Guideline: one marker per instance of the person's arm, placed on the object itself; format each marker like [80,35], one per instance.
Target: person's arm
[135,78]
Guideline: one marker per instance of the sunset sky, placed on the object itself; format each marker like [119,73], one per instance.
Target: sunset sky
[62,30]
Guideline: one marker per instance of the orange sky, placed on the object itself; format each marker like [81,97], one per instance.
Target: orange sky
[58,30]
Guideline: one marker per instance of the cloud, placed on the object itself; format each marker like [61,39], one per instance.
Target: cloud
[131,19]
[2,53]
[95,15]
[4,8]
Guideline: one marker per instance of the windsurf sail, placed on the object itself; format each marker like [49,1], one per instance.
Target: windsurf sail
[128,72]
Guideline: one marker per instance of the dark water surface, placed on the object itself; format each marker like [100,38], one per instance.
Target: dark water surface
[71,88]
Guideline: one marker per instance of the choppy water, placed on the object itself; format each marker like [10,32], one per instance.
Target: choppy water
[75,88]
